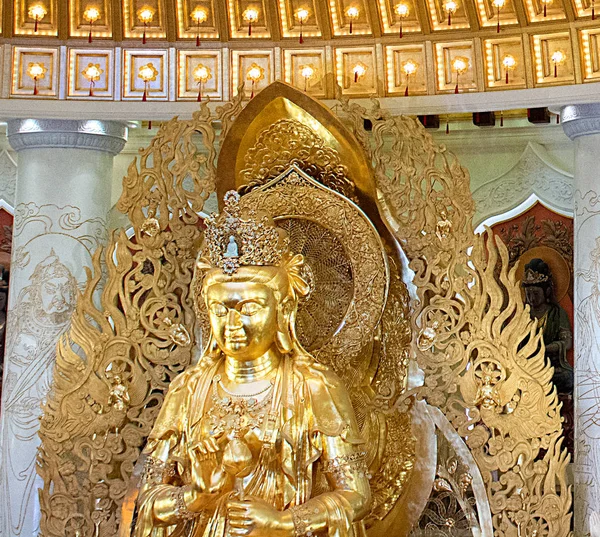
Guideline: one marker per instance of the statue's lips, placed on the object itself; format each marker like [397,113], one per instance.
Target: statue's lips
[236,340]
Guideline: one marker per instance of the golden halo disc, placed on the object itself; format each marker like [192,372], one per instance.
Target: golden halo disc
[561,273]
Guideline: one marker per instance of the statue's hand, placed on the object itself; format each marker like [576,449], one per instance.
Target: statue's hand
[199,469]
[256,518]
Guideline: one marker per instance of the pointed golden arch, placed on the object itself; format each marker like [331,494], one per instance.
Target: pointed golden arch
[281,101]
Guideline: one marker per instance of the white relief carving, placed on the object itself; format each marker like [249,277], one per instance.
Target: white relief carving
[46,287]
[534,173]
[587,372]
[8,178]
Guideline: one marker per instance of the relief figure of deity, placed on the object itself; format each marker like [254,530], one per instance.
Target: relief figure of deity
[41,312]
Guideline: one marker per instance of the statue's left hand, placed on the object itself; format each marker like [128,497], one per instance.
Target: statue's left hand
[256,518]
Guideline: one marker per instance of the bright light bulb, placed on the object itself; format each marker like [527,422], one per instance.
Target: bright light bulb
[402,10]
[146,14]
[255,73]
[307,71]
[91,14]
[450,6]
[37,12]
[359,70]
[558,57]
[352,12]
[147,72]
[201,73]
[302,15]
[409,67]
[199,15]
[499,4]
[250,14]
[460,65]
[36,70]
[92,72]
[509,62]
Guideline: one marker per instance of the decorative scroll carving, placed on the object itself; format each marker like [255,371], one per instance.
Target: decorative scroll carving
[288,142]
[482,355]
[532,174]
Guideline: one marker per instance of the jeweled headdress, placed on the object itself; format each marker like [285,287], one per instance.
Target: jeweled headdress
[532,277]
[243,237]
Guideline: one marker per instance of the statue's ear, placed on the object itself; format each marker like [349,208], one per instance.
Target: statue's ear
[284,336]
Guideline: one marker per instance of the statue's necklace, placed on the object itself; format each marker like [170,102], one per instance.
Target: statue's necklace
[235,415]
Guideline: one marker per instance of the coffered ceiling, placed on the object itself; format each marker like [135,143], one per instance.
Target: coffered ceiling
[367,47]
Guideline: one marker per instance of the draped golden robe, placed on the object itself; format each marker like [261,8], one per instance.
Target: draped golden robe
[308,453]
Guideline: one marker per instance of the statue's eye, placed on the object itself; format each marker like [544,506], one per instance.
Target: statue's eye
[218,309]
[249,308]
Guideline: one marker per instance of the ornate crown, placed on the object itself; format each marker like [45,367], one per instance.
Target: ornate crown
[533,277]
[239,237]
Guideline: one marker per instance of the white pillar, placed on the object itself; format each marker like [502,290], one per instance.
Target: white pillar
[582,124]
[62,196]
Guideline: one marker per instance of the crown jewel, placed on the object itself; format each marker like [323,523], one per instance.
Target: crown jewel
[243,237]
[533,277]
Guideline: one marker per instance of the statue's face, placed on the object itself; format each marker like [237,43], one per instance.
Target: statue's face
[56,295]
[534,296]
[243,318]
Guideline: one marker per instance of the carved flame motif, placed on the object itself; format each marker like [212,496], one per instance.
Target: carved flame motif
[484,360]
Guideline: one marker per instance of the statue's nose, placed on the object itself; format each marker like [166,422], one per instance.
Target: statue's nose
[234,319]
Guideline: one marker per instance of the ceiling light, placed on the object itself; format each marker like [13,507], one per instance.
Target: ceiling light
[36,71]
[91,15]
[409,67]
[92,73]
[558,58]
[359,70]
[509,63]
[199,16]
[352,13]
[302,15]
[147,73]
[37,12]
[145,15]
[202,75]
[250,15]
[402,11]
[450,7]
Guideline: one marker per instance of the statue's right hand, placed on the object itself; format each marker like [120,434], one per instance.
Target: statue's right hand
[200,473]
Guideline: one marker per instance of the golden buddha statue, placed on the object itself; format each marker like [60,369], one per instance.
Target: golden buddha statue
[258,439]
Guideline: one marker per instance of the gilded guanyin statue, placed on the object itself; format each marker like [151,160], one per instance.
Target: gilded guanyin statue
[258,439]
[362,363]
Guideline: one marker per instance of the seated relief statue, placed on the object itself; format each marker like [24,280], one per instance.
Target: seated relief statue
[553,319]
[258,439]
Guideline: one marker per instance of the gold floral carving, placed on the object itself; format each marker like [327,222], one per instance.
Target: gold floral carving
[482,355]
[287,142]
[130,335]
